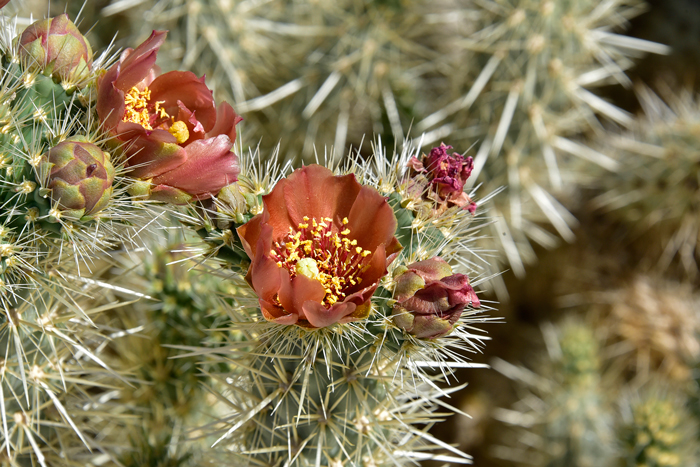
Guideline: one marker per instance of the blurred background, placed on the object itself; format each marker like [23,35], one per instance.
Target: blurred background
[583,113]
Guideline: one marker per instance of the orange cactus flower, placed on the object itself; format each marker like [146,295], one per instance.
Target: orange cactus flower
[319,248]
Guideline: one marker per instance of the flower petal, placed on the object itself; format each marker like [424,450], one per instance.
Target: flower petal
[135,64]
[277,314]
[315,192]
[320,317]
[210,165]
[295,292]
[371,220]
[226,121]
[110,100]
[149,159]
[184,86]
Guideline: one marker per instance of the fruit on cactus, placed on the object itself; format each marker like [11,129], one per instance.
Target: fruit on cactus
[441,178]
[177,137]
[319,248]
[430,299]
[55,46]
[80,178]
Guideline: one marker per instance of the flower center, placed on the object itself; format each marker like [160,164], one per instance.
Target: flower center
[314,250]
[139,109]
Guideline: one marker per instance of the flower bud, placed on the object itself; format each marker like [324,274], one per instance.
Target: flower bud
[55,46]
[430,299]
[80,178]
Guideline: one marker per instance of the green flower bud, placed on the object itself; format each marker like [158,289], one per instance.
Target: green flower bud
[80,179]
[55,46]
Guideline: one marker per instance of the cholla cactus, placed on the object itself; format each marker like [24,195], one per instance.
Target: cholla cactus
[655,326]
[525,80]
[564,415]
[657,430]
[181,304]
[55,388]
[63,193]
[325,366]
[64,205]
[328,377]
[656,194]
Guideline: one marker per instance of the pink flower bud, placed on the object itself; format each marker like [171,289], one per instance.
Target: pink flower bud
[55,46]
[430,299]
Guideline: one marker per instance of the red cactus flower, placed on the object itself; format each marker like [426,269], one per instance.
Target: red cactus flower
[4,2]
[445,176]
[319,248]
[177,137]
[430,299]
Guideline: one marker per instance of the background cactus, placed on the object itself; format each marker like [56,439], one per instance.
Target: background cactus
[656,193]
[563,415]
[527,96]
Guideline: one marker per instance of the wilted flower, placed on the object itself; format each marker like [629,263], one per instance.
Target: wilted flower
[430,299]
[55,46]
[319,248]
[177,137]
[441,177]
[80,178]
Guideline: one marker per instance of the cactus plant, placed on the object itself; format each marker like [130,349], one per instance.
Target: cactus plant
[336,382]
[658,430]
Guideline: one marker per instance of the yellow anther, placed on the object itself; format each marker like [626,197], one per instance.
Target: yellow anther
[345,232]
[136,107]
[345,221]
[179,131]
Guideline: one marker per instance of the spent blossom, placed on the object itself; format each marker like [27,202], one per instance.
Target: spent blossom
[177,138]
[319,248]
[441,177]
